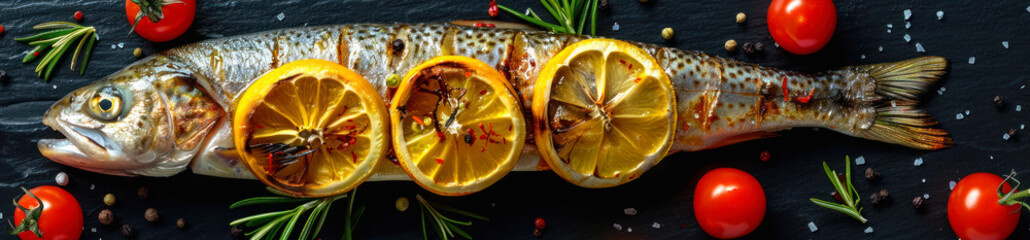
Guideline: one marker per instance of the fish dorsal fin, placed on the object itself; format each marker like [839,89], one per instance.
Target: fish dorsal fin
[499,24]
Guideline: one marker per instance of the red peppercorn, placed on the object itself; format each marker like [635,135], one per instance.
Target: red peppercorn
[1,29]
[493,11]
[78,15]
[539,223]
[765,156]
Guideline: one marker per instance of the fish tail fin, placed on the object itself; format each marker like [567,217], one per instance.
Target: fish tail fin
[899,86]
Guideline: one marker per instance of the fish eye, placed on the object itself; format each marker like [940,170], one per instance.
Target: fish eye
[106,104]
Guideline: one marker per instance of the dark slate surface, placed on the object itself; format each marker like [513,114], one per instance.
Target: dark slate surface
[664,195]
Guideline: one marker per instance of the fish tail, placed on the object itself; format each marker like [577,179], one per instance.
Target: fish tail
[898,119]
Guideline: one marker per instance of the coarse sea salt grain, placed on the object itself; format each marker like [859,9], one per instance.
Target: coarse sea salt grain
[926,196]
[92,186]
[121,45]
[1028,9]
[1022,126]
[281,16]
[656,225]
[1019,108]
[889,26]
[113,46]
[61,179]
[630,211]
[863,56]
[812,227]
[615,27]
[860,161]
[629,229]
[1006,136]
[917,162]
[908,25]
[924,180]
[919,48]
[959,116]
[888,31]
[992,157]
[907,38]
[940,15]
[967,112]
[617,226]
[972,60]
[1005,44]
[951,185]
[93,229]
[868,230]
[54,86]
[880,48]
[908,14]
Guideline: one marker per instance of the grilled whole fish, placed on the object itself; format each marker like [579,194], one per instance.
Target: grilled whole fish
[170,110]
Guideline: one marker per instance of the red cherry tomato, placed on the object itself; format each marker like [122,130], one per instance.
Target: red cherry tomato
[177,18]
[802,26]
[974,211]
[61,218]
[728,203]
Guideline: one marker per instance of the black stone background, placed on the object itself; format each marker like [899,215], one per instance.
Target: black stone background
[663,195]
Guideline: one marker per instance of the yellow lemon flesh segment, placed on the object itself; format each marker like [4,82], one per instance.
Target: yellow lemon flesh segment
[311,128]
[457,126]
[604,113]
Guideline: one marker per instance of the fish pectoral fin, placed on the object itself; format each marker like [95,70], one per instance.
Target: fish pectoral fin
[227,152]
[498,24]
[741,138]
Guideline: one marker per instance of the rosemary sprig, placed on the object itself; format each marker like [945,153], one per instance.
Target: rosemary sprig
[280,224]
[846,191]
[60,37]
[571,15]
[444,226]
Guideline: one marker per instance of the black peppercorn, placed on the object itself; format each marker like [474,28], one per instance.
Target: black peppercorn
[603,4]
[3,75]
[878,197]
[469,139]
[871,174]
[236,231]
[106,217]
[537,232]
[759,47]
[999,102]
[181,223]
[142,192]
[749,48]
[127,230]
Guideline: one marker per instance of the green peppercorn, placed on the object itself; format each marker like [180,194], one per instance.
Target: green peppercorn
[392,81]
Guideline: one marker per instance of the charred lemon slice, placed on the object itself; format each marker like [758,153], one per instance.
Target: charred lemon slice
[604,113]
[311,128]
[457,126]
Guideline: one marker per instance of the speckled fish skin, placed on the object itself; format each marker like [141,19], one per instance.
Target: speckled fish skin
[720,101]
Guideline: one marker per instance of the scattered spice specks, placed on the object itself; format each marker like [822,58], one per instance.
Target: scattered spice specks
[860,161]
[917,162]
[1005,44]
[908,14]
[281,16]
[812,227]
[940,15]
[907,38]
[615,27]
[919,48]
[972,60]
[656,225]
[617,226]
[630,211]
[951,185]
[959,116]
[868,230]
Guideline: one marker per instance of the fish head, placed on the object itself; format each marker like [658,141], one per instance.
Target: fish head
[119,125]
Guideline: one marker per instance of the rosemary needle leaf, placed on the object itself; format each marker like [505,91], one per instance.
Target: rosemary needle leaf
[458,230]
[45,35]
[265,200]
[89,51]
[56,25]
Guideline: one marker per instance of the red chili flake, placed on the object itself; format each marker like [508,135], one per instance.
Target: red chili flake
[1,29]
[490,25]
[637,80]
[686,126]
[78,15]
[765,156]
[478,24]
[271,167]
[786,96]
[351,141]
[622,61]
[630,66]
[806,98]
[493,11]
[468,74]
[35,54]
[510,127]
[258,125]
[418,120]
[831,127]
[483,92]
[472,131]
[352,127]
[355,156]
[440,135]
[482,136]
[504,140]
[439,161]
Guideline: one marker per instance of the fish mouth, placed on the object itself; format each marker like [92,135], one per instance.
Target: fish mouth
[84,148]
